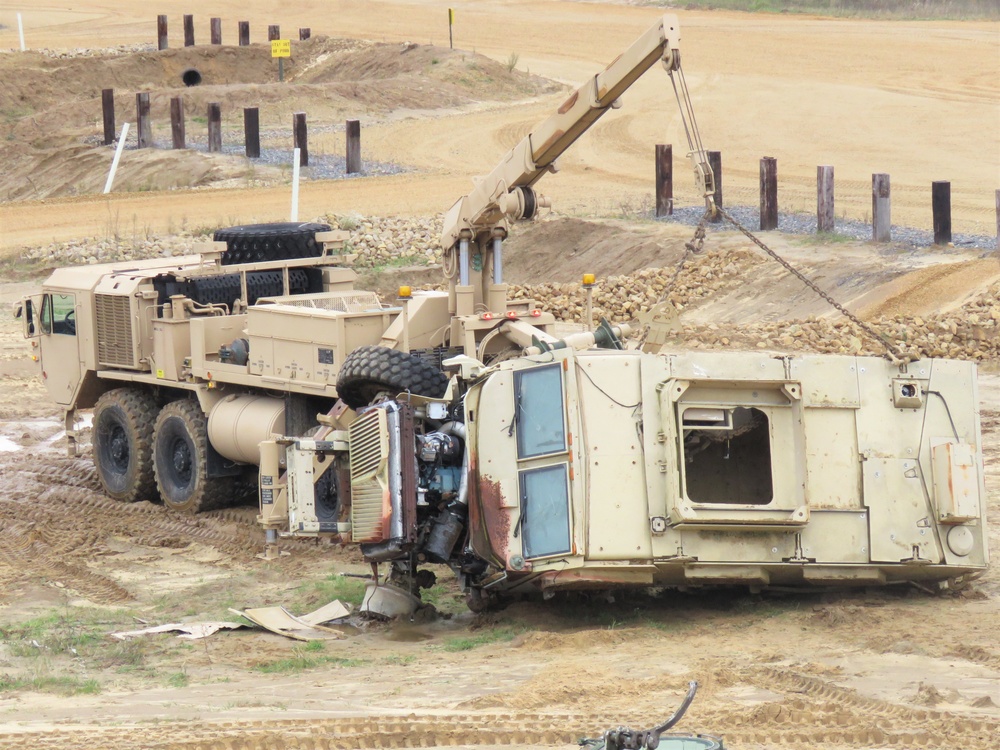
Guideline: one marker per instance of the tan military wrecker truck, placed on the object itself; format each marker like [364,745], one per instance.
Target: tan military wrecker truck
[455,427]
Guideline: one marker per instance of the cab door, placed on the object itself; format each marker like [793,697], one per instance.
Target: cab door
[58,342]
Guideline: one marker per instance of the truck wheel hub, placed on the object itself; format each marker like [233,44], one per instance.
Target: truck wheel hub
[119,447]
[182,460]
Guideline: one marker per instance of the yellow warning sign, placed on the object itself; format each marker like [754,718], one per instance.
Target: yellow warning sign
[281,48]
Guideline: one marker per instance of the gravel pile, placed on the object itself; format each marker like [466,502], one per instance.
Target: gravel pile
[381,241]
[118,51]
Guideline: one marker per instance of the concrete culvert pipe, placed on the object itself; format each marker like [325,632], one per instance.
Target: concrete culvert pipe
[191,77]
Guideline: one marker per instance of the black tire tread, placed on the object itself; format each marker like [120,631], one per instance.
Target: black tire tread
[254,243]
[140,410]
[209,494]
[369,369]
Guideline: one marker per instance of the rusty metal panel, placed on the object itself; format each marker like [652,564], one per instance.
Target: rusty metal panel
[956,482]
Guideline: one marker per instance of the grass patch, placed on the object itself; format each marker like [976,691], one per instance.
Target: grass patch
[483,638]
[48,684]
[179,679]
[302,659]
[445,597]
[400,660]
[335,586]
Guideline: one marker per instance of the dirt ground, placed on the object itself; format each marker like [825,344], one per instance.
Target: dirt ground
[867,670]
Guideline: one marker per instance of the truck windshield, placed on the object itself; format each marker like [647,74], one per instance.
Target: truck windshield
[538,401]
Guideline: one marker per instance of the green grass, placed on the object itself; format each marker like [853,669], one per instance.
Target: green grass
[400,660]
[48,684]
[178,680]
[316,593]
[483,638]
[302,660]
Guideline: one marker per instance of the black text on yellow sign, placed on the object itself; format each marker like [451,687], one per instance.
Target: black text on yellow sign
[281,48]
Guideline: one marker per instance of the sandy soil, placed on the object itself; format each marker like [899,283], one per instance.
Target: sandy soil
[864,670]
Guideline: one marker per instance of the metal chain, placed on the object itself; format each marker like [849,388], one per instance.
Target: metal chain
[894,354]
[695,245]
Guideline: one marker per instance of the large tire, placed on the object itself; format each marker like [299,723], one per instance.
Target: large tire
[123,440]
[370,370]
[255,243]
[180,460]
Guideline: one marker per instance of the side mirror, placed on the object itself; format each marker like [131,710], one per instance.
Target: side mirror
[25,310]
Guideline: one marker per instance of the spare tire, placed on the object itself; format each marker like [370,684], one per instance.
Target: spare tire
[255,243]
[370,370]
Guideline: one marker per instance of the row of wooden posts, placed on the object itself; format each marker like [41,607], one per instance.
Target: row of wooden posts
[251,129]
[215,32]
[881,231]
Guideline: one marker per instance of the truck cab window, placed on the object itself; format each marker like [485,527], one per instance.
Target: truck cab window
[538,403]
[58,314]
[728,456]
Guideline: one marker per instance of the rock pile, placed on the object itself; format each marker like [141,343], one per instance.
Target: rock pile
[622,298]
[381,241]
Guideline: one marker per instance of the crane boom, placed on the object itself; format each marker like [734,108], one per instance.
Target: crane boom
[505,193]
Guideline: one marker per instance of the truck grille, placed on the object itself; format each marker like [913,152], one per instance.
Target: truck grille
[369,437]
[115,347]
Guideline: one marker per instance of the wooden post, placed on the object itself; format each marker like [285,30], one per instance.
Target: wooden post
[108,106]
[353,146]
[251,131]
[768,193]
[824,199]
[941,207]
[664,180]
[715,162]
[188,31]
[144,128]
[244,33]
[177,122]
[304,34]
[214,126]
[161,32]
[216,26]
[273,32]
[299,137]
[881,213]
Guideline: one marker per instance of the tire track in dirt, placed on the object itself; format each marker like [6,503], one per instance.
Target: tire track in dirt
[55,520]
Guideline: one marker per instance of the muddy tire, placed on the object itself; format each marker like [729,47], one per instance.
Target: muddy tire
[370,370]
[255,243]
[180,460]
[123,440]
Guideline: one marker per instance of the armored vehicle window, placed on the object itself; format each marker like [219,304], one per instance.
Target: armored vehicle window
[544,520]
[538,404]
[58,314]
[728,458]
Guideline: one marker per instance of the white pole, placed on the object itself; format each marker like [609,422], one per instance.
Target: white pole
[295,184]
[118,156]
[20,31]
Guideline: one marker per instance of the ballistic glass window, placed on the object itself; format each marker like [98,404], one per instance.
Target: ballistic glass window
[61,309]
[538,404]
[544,518]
